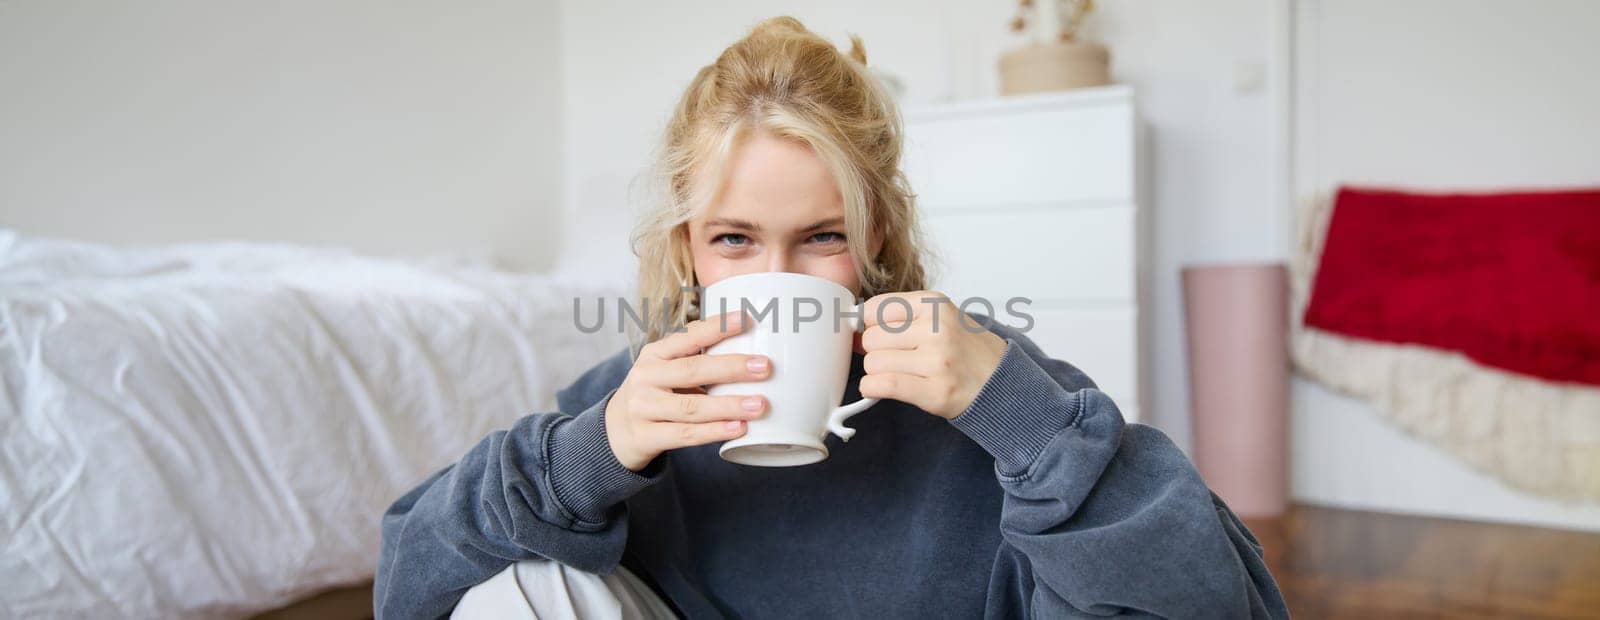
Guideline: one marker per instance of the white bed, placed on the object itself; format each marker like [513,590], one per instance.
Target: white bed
[214,430]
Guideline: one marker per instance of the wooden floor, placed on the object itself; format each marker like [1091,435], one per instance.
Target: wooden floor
[1347,564]
[1334,563]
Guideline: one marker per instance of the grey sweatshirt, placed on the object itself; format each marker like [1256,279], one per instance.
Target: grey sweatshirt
[1037,501]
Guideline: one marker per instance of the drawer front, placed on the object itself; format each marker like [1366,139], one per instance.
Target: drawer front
[1022,158]
[1041,254]
[1102,342]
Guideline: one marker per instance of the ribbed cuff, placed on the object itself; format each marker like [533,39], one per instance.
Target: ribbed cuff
[1018,411]
[585,475]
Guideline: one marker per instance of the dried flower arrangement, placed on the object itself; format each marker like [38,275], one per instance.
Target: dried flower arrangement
[1055,57]
[1069,16]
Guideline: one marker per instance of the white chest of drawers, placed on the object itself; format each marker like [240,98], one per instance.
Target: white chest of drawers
[1039,197]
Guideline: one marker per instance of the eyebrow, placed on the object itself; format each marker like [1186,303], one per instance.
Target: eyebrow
[827,223]
[738,224]
[733,223]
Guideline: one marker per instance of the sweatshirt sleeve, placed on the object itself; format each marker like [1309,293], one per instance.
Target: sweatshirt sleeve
[1112,518]
[548,488]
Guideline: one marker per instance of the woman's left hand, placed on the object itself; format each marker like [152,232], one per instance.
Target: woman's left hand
[923,350]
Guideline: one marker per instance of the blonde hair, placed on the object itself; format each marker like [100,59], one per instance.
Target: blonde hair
[790,83]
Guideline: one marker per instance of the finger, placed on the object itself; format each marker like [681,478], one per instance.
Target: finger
[898,386]
[895,309]
[698,370]
[698,408]
[669,435]
[881,337]
[699,335]
[919,363]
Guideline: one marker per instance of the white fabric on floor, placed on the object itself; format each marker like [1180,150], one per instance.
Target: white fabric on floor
[544,590]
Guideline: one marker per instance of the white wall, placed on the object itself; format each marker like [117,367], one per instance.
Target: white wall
[1205,73]
[393,127]
[1435,94]
[625,63]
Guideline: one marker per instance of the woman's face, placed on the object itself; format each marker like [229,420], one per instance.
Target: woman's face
[778,210]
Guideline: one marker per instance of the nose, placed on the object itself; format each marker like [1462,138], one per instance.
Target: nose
[780,260]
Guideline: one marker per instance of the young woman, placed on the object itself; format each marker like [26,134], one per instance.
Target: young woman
[992,480]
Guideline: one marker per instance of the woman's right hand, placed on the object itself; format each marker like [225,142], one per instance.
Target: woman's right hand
[661,404]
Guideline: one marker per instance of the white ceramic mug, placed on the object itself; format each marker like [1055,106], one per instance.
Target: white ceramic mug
[806,326]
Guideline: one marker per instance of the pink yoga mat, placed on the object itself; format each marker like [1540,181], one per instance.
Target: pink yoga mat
[1237,323]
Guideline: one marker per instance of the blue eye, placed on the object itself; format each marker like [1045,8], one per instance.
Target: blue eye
[730,239]
[827,237]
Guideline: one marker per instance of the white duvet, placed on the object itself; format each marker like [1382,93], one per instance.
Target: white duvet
[214,430]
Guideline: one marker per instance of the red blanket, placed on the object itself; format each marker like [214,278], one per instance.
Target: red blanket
[1511,280]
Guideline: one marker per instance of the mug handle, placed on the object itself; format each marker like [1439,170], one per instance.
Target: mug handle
[839,415]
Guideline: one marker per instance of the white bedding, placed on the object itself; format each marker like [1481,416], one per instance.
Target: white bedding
[214,430]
